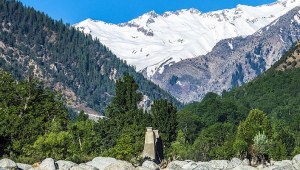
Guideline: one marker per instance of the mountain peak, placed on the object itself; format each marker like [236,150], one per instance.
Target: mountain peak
[153,41]
[190,10]
[150,14]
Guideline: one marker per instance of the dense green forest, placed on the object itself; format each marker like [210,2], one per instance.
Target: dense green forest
[58,54]
[34,124]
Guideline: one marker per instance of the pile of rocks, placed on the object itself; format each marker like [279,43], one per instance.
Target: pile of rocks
[106,163]
[234,164]
[98,163]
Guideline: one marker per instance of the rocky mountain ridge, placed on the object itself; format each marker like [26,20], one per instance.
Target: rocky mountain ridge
[232,62]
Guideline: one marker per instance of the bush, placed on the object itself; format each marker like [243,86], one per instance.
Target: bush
[260,148]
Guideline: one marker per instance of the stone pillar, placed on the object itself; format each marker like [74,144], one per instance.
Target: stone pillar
[149,146]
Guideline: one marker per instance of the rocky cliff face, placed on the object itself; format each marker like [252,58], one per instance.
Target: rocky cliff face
[232,62]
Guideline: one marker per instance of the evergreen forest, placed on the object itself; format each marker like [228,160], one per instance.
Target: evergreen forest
[34,44]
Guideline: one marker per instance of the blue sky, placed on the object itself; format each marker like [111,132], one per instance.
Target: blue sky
[118,11]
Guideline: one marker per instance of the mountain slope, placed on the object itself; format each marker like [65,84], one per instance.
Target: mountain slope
[84,70]
[232,62]
[276,92]
[152,41]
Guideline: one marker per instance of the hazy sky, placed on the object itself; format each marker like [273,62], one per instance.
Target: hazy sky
[118,11]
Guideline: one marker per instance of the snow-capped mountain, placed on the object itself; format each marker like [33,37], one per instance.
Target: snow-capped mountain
[152,41]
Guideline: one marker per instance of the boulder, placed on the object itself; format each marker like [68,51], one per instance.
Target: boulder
[65,165]
[47,164]
[8,164]
[246,162]
[120,165]
[176,165]
[141,168]
[219,164]
[260,166]
[190,165]
[150,165]
[282,165]
[296,162]
[101,162]
[24,166]
[244,167]
[203,166]
[83,167]
[235,162]
[277,168]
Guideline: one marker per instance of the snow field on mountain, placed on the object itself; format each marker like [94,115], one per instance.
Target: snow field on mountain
[152,40]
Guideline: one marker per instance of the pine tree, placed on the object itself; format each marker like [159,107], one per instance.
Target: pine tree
[164,119]
[126,97]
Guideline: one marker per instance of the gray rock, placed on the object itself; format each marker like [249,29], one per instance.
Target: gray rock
[47,164]
[190,165]
[8,164]
[261,166]
[203,166]
[235,162]
[246,162]
[141,168]
[176,165]
[65,165]
[244,167]
[296,162]
[120,165]
[77,167]
[184,165]
[282,162]
[24,166]
[278,168]
[150,165]
[83,167]
[101,162]
[219,164]
[280,165]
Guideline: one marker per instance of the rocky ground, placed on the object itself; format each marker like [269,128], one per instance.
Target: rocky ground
[106,163]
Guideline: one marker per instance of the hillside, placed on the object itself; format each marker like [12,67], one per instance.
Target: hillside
[164,39]
[83,69]
[276,92]
[215,125]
